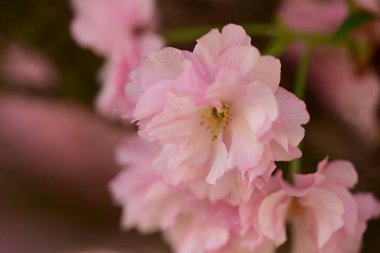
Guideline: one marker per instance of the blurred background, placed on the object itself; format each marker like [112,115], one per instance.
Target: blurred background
[57,153]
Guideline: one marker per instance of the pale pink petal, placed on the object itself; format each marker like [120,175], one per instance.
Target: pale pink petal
[267,70]
[241,58]
[227,87]
[301,186]
[293,114]
[302,236]
[219,165]
[369,207]
[165,64]
[179,118]
[245,150]
[327,209]
[208,48]
[257,97]
[151,101]
[211,45]
[272,216]
[341,172]
[233,35]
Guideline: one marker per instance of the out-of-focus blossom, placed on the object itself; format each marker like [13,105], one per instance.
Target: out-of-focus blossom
[112,99]
[324,215]
[122,31]
[26,67]
[320,16]
[219,107]
[336,78]
[109,27]
[354,96]
[313,15]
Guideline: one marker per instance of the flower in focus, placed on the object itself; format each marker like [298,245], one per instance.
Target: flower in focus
[219,109]
[324,215]
[123,32]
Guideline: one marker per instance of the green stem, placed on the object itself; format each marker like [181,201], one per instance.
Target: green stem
[277,47]
[302,71]
[183,35]
[295,166]
[299,90]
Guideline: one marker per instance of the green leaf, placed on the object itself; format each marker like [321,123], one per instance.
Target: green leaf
[351,24]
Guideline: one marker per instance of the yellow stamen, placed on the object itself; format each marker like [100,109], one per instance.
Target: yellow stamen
[216,119]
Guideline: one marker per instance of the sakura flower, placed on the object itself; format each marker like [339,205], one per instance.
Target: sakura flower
[110,26]
[122,31]
[219,107]
[189,224]
[206,228]
[324,215]
[214,230]
[139,189]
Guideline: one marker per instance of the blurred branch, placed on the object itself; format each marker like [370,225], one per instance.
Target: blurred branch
[276,30]
[182,35]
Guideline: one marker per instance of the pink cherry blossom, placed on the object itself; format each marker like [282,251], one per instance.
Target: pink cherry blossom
[220,108]
[110,26]
[325,217]
[188,223]
[139,189]
[122,31]
[212,230]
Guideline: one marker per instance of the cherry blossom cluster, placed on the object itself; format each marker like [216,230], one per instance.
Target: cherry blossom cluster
[324,216]
[212,123]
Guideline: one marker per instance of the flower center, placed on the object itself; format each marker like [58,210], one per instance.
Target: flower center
[216,119]
[295,208]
